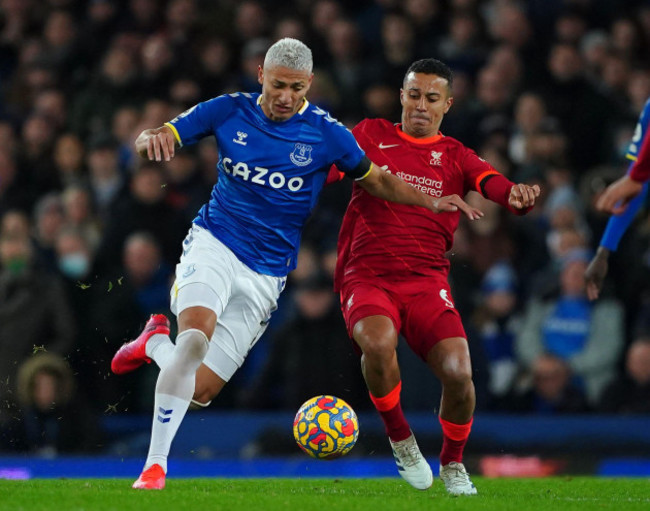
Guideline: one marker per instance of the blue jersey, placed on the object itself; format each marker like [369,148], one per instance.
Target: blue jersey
[618,224]
[640,132]
[270,174]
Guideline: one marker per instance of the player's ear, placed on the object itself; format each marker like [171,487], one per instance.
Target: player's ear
[401,97]
[450,101]
[260,75]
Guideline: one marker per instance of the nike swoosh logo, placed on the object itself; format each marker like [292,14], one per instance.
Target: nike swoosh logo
[383,146]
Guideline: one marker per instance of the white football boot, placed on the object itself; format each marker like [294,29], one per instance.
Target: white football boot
[411,464]
[457,479]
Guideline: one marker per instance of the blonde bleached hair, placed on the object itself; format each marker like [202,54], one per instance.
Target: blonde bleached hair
[289,53]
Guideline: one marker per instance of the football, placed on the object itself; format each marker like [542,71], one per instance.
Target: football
[326,427]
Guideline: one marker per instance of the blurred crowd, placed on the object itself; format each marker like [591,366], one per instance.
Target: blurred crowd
[547,91]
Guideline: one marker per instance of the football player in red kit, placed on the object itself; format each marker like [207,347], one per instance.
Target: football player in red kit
[392,271]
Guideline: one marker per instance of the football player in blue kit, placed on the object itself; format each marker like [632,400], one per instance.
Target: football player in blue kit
[275,152]
[618,223]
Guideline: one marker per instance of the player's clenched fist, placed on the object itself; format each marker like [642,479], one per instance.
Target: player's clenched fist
[156,144]
[523,196]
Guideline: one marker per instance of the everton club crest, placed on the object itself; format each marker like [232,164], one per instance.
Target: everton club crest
[301,155]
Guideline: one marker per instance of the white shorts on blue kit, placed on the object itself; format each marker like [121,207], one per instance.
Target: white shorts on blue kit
[209,275]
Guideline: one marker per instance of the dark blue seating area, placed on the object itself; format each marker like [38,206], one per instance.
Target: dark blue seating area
[229,434]
[234,444]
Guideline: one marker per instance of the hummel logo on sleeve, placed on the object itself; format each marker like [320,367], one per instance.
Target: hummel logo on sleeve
[386,146]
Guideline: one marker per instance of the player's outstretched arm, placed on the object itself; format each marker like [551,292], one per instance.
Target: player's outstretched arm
[617,196]
[386,186]
[523,196]
[156,144]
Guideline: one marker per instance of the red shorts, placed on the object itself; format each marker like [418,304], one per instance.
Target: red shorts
[421,308]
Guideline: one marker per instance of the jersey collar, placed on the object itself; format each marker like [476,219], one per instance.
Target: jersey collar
[300,111]
[415,140]
[304,106]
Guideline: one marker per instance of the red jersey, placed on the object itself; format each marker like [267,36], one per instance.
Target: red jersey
[378,237]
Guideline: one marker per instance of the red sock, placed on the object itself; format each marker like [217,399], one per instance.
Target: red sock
[390,409]
[454,438]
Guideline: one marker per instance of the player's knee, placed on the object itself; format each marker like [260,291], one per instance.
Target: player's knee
[378,352]
[451,363]
[377,339]
[192,344]
[378,348]
[198,318]
[457,371]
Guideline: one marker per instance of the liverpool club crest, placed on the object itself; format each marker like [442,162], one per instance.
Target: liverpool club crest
[435,158]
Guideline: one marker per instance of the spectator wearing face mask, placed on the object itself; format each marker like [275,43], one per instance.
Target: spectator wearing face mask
[104,306]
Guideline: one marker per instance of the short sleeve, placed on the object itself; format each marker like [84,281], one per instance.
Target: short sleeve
[200,120]
[346,152]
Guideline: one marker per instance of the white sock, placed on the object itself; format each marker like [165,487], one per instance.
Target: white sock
[174,391]
[159,348]
[167,417]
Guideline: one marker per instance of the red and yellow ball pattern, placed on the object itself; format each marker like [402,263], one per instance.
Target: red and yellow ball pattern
[326,427]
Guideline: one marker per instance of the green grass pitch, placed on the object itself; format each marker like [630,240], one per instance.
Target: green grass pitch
[557,494]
